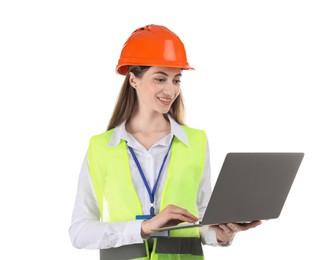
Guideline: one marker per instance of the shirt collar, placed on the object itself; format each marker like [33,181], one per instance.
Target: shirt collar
[120,132]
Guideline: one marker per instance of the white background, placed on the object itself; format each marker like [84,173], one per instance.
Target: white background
[262,80]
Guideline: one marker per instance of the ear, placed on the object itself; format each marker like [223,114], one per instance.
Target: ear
[132,80]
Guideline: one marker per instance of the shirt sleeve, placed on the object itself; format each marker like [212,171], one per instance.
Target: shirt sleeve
[208,236]
[86,230]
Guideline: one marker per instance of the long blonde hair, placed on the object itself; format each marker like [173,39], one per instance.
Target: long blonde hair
[127,100]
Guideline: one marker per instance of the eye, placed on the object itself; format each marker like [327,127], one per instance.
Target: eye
[160,80]
[177,81]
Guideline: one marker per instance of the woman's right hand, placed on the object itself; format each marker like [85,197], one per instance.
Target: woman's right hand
[169,216]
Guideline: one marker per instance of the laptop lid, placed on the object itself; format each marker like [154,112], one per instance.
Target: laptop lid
[250,186]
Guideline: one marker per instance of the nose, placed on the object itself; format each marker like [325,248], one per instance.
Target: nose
[170,89]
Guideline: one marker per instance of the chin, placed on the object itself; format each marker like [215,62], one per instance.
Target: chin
[162,111]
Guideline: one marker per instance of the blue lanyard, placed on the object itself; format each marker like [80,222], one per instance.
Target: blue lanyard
[151,194]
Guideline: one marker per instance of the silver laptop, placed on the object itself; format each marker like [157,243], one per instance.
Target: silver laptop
[250,186]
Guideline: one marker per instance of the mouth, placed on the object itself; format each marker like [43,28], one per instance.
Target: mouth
[165,101]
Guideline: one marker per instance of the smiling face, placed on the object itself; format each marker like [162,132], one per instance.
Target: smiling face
[157,89]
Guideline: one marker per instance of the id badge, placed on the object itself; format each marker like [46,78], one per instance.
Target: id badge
[156,234]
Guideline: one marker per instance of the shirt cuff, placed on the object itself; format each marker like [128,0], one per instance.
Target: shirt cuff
[133,229]
[209,237]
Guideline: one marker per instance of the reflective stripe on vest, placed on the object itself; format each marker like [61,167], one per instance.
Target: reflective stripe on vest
[117,198]
[173,245]
[179,245]
[134,251]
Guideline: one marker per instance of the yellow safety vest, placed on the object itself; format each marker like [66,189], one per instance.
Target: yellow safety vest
[118,200]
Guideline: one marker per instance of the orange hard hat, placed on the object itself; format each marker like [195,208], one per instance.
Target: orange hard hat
[153,45]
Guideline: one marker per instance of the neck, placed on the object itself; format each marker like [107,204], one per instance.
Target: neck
[147,123]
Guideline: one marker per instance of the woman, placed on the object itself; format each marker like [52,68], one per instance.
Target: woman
[148,170]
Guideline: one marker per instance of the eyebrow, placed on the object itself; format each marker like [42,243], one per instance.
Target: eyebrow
[161,72]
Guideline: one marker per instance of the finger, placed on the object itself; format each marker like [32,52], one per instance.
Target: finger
[225,228]
[250,225]
[215,228]
[233,227]
[254,224]
[183,212]
[182,217]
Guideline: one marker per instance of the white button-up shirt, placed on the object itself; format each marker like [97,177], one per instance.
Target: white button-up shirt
[86,230]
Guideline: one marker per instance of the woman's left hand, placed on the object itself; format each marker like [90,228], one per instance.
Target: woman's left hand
[226,232]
